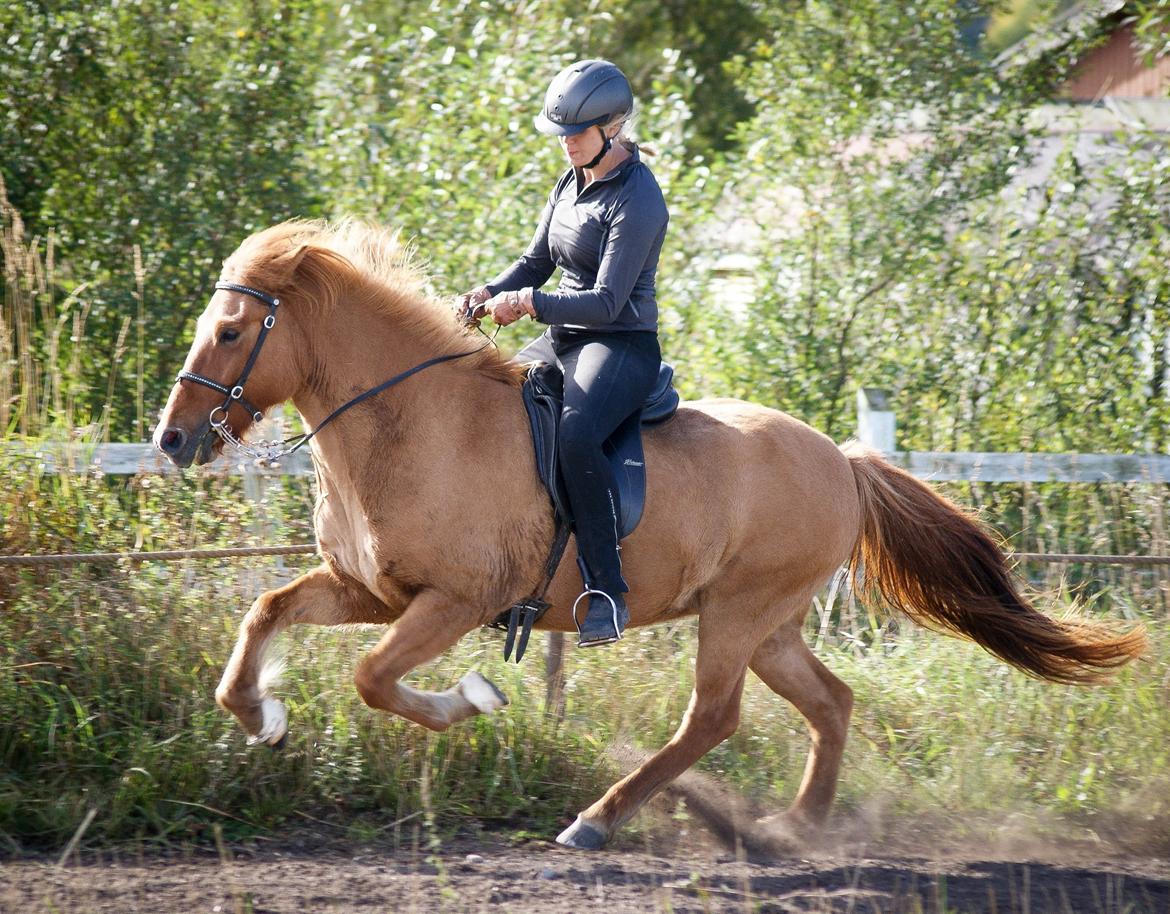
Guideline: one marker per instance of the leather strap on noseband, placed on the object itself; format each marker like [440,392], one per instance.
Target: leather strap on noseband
[236,392]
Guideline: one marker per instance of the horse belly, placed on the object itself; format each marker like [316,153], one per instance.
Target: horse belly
[737,485]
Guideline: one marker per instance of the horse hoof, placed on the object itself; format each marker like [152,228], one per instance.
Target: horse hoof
[582,836]
[273,724]
[785,833]
[482,693]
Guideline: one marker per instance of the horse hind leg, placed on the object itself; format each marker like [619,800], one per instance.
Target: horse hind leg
[711,717]
[787,666]
[318,598]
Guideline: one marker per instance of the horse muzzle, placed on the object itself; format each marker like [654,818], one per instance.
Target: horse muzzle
[185,448]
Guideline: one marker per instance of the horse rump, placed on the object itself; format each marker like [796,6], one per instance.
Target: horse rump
[928,558]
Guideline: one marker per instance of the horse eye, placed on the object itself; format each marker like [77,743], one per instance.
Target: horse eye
[229,336]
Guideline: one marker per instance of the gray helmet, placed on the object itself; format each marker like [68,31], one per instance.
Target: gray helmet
[588,93]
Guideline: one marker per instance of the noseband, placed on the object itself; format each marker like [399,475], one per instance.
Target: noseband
[271,451]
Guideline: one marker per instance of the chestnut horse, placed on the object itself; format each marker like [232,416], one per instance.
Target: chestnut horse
[749,512]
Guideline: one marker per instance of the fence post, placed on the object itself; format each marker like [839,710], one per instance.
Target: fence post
[554,675]
[875,419]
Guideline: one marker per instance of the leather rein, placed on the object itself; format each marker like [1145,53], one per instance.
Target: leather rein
[270,451]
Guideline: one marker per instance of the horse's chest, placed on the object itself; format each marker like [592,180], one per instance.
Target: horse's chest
[345,536]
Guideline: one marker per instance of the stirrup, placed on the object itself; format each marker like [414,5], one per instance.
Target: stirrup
[605,639]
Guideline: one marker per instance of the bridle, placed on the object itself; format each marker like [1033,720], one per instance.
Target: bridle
[236,392]
[271,451]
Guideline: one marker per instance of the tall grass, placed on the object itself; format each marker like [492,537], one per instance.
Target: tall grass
[43,342]
[107,673]
[106,688]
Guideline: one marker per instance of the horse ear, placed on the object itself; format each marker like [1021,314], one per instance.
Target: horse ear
[318,272]
[292,258]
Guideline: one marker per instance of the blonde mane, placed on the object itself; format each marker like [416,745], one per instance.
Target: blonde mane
[321,266]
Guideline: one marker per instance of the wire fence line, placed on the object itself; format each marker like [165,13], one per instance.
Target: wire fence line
[174,555]
[169,555]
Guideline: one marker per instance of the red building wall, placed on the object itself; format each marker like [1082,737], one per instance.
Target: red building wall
[1116,70]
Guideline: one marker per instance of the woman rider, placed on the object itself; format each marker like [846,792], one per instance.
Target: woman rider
[603,226]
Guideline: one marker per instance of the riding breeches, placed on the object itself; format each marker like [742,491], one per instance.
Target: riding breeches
[608,377]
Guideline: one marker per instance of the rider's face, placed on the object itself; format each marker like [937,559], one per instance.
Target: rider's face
[582,147]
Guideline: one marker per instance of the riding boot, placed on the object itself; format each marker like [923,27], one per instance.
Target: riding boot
[606,614]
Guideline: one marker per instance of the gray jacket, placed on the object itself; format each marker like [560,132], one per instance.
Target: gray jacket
[606,239]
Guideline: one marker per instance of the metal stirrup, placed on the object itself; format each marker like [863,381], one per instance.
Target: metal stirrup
[612,603]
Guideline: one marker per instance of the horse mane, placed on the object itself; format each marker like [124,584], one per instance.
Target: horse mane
[321,266]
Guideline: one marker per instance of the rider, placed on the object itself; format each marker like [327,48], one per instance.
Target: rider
[603,226]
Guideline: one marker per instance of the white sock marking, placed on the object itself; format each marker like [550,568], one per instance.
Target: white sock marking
[481,693]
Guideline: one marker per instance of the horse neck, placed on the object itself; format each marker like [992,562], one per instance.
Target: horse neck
[356,348]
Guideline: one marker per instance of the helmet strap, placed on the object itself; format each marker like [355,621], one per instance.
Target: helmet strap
[606,145]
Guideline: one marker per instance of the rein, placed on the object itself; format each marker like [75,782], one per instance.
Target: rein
[271,451]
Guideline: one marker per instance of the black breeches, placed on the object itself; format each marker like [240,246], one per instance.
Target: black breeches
[607,378]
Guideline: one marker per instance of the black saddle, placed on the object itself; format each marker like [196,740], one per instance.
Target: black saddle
[544,400]
[544,394]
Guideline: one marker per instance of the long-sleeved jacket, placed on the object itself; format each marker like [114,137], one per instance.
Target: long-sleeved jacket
[606,239]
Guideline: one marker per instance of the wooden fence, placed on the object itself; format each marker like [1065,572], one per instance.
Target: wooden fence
[875,428]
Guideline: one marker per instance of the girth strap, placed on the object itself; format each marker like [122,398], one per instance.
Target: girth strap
[522,615]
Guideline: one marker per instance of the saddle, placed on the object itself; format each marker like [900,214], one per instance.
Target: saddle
[544,397]
[543,393]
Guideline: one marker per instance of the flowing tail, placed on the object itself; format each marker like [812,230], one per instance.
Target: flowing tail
[939,566]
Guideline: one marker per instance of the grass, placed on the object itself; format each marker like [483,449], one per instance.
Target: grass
[107,676]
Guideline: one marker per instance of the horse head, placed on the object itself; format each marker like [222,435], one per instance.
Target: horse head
[248,354]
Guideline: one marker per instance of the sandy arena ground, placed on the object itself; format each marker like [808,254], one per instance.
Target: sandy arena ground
[489,873]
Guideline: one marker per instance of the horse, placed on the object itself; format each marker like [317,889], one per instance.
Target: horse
[430,517]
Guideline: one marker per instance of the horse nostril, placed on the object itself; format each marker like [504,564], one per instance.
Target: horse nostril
[172,440]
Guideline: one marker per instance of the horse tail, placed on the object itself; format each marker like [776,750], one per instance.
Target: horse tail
[934,562]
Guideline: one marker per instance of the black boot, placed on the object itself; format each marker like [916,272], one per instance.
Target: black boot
[606,613]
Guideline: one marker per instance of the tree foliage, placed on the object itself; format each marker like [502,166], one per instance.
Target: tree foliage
[869,159]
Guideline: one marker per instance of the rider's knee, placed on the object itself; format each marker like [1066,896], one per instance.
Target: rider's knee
[577,436]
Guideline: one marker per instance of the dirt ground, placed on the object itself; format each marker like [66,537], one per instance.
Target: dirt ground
[492,873]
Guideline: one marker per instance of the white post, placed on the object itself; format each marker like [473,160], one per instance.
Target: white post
[875,419]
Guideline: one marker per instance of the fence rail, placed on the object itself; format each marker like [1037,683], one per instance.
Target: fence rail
[876,427]
[942,466]
[936,466]
[139,459]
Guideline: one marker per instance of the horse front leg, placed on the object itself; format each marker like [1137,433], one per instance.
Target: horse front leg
[317,598]
[431,624]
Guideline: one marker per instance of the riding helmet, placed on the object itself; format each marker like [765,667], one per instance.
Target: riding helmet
[588,93]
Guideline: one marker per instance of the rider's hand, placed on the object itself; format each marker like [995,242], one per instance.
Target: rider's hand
[468,304]
[508,307]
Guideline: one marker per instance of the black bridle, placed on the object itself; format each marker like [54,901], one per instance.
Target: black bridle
[274,450]
[235,394]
